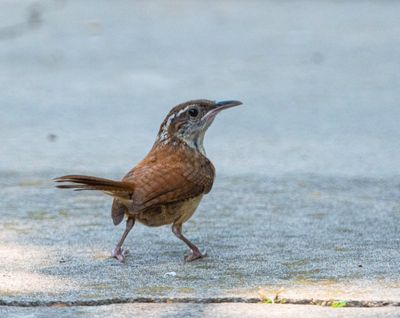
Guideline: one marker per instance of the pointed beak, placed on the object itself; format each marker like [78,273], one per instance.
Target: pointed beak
[221,106]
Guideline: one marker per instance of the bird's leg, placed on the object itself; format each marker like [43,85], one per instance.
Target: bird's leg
[177,230]
[118,252]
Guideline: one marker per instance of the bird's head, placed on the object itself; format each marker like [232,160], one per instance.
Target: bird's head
[189,121]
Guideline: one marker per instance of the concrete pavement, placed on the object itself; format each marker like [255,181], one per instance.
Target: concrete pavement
[305,208]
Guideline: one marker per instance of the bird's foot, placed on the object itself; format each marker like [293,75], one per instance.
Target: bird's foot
[119,254]
[196,254]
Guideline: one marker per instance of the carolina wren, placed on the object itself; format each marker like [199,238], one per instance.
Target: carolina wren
[167,185]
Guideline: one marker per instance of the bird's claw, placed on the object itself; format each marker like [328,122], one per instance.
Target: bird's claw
[195,255]
[119,254]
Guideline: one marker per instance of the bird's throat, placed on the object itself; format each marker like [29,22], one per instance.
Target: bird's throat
[195,142]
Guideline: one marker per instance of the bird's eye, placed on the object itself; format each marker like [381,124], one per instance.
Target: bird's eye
[193,112]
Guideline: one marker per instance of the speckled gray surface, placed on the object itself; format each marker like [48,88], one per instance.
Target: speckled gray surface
[195,310]
[306,203]
[330,235]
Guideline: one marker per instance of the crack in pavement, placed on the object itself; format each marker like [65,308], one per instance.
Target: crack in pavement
[215,300]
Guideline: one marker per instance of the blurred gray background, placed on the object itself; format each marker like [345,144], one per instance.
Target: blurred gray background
[84,85]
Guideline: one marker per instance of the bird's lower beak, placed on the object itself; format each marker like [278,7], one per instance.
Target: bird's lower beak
[221,106]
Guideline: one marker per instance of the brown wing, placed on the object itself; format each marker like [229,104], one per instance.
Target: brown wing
[170,176]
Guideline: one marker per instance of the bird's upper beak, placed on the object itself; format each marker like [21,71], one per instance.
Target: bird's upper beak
[221,106]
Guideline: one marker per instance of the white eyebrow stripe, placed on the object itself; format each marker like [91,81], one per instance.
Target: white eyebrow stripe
[183,110]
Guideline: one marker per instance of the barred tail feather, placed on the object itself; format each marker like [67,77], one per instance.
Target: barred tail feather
[117,189]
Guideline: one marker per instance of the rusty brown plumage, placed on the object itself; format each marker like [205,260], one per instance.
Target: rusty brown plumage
[169,174]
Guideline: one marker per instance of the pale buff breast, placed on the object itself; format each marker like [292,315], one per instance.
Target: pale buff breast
[177,213]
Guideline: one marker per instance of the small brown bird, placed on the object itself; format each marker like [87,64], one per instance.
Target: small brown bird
[167,185]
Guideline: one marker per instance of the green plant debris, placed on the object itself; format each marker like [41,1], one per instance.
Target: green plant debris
[338,304]
[271,297]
